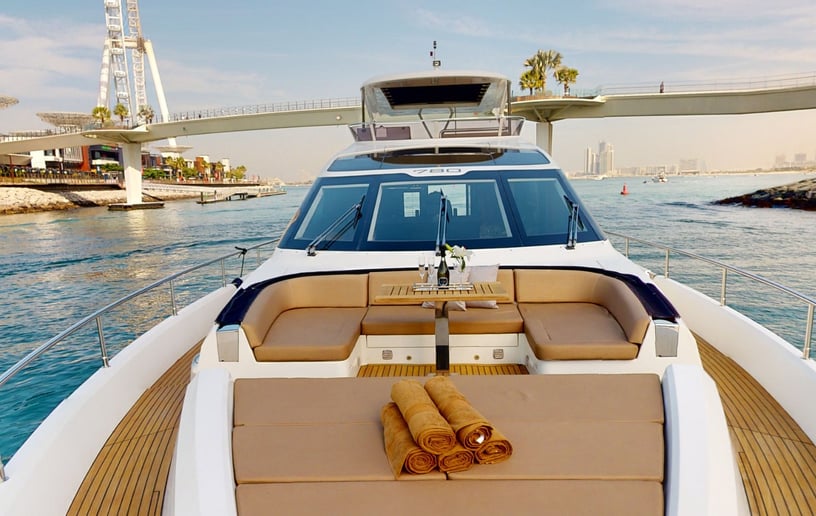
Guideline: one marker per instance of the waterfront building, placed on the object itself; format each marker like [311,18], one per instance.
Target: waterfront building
[606,159]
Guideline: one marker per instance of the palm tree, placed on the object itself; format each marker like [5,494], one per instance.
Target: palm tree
[566,76]
[147,114]
[542,62]
[178,164]
[101,113]
[528,81]
[121,111]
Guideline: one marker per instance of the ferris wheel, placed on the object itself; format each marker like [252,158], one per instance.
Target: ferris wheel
[123,39]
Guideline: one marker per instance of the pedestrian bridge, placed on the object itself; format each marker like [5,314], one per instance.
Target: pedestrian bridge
[785,94]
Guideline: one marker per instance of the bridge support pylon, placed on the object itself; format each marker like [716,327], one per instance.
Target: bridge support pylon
[132,161]
[544,132]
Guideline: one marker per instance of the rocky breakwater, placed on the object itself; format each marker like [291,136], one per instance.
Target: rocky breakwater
[30,200]
[800,196]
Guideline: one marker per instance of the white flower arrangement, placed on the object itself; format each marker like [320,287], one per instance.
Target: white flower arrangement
[460,254]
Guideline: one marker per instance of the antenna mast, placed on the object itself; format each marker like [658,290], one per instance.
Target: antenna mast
[436,62]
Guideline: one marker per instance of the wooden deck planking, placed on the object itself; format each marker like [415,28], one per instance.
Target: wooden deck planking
[776,459]
[385,370]
[130,473]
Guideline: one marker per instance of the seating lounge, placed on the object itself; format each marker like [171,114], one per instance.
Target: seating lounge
[564,314]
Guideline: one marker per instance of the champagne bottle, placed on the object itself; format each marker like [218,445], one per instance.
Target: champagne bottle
[442,273]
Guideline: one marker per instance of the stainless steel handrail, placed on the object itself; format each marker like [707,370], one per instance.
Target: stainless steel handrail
[809,301]
[25,361]
[97,317]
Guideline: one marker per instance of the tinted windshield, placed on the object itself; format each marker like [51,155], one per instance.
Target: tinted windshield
[485,209]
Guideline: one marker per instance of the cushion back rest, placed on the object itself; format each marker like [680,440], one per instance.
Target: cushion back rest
[573,286]
[507,280]
[377,279]
[338,291]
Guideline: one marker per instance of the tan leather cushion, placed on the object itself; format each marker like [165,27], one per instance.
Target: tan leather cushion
[570,286]
[455,498]
[566,397]
[377,279]
[308,334]
[558,397]
[574,331]
[271,401]
[505,318]
[322,452]
[339,290]
[398,320]
[589,450]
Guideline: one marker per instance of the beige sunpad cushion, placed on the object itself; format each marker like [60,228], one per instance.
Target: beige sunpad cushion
[594,450]
[270,401]
[312,334]
[311,453]
[459,498]
[505,318]
[574,331]
[398,320]
[610,397]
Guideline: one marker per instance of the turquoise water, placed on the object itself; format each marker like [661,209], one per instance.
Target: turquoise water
[58,267]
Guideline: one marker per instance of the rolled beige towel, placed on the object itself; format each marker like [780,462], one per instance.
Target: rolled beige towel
[471,427]
[428,428]
[402,452]
[455,460]
[496,449]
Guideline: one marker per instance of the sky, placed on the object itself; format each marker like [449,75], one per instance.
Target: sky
[214,54]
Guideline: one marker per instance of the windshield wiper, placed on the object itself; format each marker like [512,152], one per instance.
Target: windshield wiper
[573,223]
[442,225]
[337,228]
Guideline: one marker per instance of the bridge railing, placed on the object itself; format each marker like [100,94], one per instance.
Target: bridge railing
[730,84]
[671,86]
[254,109]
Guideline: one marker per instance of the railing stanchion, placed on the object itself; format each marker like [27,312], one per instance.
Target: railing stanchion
[173,297]
[223,273]
[2,472]
[808,332]
[811,302]
[626,247]
[103,348]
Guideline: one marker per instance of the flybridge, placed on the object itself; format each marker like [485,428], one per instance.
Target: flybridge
[436,104]
[458,94]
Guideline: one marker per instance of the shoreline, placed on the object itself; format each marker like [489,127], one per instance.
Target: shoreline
[17,200]
[798,196]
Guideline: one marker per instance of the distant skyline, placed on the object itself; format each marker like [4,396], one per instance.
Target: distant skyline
[215,54]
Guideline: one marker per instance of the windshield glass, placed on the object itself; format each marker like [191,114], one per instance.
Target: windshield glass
[543,206]
[409,211]
[485,209]
[330,203]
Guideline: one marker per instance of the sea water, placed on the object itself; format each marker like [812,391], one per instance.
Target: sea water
[57,267]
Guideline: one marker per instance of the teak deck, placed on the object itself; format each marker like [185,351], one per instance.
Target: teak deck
[776,459]
[130,474]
